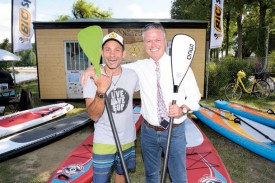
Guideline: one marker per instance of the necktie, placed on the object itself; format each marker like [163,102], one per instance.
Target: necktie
[162,111]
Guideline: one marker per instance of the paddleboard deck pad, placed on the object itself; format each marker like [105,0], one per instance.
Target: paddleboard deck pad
[21,142]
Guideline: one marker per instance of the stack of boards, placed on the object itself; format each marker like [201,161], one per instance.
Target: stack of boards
[202,161]
[249,127]
[19,142]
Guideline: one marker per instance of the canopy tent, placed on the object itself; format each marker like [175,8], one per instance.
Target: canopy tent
[9,57]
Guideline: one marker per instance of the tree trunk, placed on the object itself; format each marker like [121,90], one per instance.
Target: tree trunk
[262,30]
[217,54]
[227,33]
[240,39]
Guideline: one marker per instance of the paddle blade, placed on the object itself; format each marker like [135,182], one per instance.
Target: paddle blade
[90,40]
[183,50]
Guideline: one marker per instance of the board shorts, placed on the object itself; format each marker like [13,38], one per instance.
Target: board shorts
[106,159]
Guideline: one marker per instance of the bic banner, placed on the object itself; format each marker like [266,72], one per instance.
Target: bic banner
[216,36]
[23,16]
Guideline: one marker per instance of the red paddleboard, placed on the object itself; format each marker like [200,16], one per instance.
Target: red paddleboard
[23,120]
[203,163]
[77,167]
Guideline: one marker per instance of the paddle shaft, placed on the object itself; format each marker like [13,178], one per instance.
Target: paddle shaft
[113,126]
[171,121]
[266,136]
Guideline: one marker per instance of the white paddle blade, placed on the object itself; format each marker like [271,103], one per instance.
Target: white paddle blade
[183,50]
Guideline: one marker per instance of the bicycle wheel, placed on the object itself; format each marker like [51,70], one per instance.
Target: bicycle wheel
[233,91]
[261,89]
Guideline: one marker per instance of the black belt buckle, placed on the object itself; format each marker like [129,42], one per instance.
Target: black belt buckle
[164,124]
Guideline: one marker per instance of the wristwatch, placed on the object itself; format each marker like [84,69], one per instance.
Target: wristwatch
[184,110]
[100,95]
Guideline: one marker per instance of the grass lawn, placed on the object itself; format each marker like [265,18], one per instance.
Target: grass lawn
[36,166]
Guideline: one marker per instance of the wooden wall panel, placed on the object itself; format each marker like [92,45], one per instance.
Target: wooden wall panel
[51,57]
[51,61]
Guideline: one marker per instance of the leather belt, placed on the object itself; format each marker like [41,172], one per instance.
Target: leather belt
[158,128]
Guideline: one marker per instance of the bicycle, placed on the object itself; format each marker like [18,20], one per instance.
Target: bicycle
[260,88]
[266,77]
[261,73]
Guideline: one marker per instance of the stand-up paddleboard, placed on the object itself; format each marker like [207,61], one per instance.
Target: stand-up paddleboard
[77,167]
[253,136]
[23,120]
[21,142]
[263,116]
[203,164]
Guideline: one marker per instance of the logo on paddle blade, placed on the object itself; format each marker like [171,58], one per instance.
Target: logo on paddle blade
[210,179]
[190,52]
[72,169]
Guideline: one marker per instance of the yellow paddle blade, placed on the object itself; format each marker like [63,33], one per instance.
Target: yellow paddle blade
[90,40]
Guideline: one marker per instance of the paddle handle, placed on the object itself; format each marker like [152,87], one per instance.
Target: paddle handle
[176,88]
[97,67]
[113,126]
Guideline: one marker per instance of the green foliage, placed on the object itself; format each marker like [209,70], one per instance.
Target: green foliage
[5,45]
[272,63]
[4,66]
[63,18]
[82,9]
[191,9]
[28,58]
[214,80]
[223,72]
[212,77]
[252,18]
[234,65]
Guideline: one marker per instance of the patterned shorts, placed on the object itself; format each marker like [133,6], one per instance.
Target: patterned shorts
[106,159]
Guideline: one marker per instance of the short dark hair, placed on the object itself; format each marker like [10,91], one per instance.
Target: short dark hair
[154,25]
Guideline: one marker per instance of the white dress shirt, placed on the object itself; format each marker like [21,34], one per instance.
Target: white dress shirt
[188,92]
